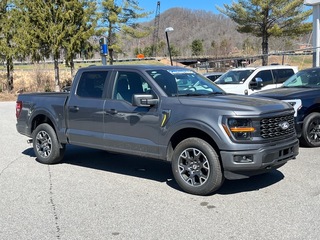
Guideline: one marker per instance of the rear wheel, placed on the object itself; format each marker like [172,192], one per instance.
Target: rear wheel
[196,167]
[311,130]
[46,145]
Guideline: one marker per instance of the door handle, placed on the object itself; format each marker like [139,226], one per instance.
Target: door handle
[112,111]
[74,109]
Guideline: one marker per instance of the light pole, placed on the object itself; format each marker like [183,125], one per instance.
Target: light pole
[169,29]
[316,33]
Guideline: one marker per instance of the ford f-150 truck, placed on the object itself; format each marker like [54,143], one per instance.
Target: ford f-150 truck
[302,91]
[244,80]
[163,112]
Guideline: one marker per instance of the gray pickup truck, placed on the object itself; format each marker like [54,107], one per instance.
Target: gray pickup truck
[162,112]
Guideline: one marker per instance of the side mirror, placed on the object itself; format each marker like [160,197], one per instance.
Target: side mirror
[144,100]
[256,84]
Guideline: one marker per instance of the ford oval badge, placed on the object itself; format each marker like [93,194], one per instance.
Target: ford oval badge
[284,125]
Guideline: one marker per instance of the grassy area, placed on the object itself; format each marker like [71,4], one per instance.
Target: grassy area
[301,61]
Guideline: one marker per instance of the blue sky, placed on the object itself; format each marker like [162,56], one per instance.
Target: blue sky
[207,5]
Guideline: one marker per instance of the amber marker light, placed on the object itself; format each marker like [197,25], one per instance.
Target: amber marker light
[242,129]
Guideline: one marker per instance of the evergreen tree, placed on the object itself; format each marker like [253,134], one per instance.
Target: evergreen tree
[175,52]
[119,17]
[81,23]
[197,47]
[10,39]
[264,19]
[54,25]
[147,51]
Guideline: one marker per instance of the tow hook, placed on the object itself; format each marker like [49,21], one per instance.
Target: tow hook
[29,141]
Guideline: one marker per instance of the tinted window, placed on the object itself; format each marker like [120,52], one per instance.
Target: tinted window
[129,83]
[282,75]
[266,77]
[91,84]
[167,81]
[213,77]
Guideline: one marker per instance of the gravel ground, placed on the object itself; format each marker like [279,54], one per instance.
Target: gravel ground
[98,195]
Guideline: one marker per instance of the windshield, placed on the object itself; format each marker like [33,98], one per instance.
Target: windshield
[234,77]
[180,82]
[304,78]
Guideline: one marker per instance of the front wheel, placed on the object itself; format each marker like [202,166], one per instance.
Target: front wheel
[46,145]
[311,130]
[196,167]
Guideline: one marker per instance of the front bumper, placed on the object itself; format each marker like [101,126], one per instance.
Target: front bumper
[246,163]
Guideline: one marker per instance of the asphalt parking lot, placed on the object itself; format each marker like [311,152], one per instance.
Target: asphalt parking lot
[98,195]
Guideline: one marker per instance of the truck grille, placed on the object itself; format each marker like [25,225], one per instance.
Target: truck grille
[277,126]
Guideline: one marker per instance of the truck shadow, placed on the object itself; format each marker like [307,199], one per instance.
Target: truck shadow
[253,183]
[153,169]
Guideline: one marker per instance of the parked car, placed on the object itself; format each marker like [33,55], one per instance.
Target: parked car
[302,91]
[252,79]
[213,75]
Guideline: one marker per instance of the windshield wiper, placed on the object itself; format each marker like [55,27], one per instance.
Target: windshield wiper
[216,93]
[199,94]
[228,83]
[190,94]
[304,86]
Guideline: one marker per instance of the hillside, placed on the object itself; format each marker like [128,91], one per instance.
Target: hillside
[190,25]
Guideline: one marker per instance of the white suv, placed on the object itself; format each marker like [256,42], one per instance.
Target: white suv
[250,79]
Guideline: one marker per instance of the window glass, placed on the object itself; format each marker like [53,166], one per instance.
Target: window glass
[281,75]
[180,82]
[305,78]
[266,77]
[234,76]
[213,77]
[127,84]
[91,84]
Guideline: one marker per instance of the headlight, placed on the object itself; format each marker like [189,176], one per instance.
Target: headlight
[296,104]
[239,128]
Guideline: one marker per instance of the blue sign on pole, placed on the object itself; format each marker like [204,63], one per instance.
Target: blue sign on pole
[104,49]
[103,46]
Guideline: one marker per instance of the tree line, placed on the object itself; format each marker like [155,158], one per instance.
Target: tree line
[37,29]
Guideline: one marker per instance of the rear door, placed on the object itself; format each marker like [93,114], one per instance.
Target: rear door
[128,128]
[281,75]
[85,116]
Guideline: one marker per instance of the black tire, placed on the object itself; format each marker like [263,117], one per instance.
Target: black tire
[46,145]
[310,136]
[196,167]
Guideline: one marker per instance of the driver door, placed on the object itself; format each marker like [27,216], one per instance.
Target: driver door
[128,128]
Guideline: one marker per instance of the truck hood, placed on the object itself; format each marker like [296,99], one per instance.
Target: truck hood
[288,93]
[232,88]
[239,104]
